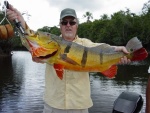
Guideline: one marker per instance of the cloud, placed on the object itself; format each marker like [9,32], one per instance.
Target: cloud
[98,7]
[77,4]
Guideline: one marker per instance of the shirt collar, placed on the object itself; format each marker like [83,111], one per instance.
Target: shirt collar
[75,39]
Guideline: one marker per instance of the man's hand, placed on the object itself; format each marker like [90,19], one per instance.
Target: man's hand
[13,13]
[123,60]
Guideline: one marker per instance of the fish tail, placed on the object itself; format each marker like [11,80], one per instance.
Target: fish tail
[137,52]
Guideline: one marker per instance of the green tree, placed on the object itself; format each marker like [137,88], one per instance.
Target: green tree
[84,30]
[145,23]
[104,17]
[45,29]
[54,30]
[88,15]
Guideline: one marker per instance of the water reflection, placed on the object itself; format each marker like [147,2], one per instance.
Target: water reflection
[131,78]
[22,85]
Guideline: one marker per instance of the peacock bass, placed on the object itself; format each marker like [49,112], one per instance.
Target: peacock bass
[68,55]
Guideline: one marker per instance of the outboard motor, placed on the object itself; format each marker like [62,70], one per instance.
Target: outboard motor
[128,102]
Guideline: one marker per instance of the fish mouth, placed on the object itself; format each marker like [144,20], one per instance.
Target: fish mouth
[48,56]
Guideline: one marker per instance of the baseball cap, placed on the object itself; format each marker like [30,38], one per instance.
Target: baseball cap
[68,12]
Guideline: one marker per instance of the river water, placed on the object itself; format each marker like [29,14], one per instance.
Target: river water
[22,85]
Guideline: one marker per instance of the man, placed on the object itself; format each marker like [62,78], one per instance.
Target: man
[72,94]
[148,94]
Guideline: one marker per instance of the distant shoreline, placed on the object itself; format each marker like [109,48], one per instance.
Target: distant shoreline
[6,55]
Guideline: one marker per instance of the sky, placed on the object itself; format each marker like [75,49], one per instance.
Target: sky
[40,13]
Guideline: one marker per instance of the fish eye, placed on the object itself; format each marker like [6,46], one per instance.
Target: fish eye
[131,50]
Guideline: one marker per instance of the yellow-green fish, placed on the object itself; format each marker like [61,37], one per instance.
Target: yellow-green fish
[69,55]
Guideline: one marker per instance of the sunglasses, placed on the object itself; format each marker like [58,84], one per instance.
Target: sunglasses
[70,22]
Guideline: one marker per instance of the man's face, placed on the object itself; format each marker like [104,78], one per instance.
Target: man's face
[68,28]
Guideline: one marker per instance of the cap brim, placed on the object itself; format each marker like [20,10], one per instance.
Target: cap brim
[68,15]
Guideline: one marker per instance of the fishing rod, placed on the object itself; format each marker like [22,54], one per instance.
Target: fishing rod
[16,22]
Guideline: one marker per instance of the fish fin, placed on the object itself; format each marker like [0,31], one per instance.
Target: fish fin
[103,48]
[111,72]
[59,70]
[139,54]
[68,60]
[134,46]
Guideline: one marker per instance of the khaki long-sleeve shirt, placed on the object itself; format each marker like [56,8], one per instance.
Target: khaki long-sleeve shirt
[73,91]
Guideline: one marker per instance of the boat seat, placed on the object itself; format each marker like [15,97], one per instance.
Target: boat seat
[128,102]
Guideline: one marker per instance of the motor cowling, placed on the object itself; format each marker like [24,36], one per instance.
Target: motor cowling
[128,102]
